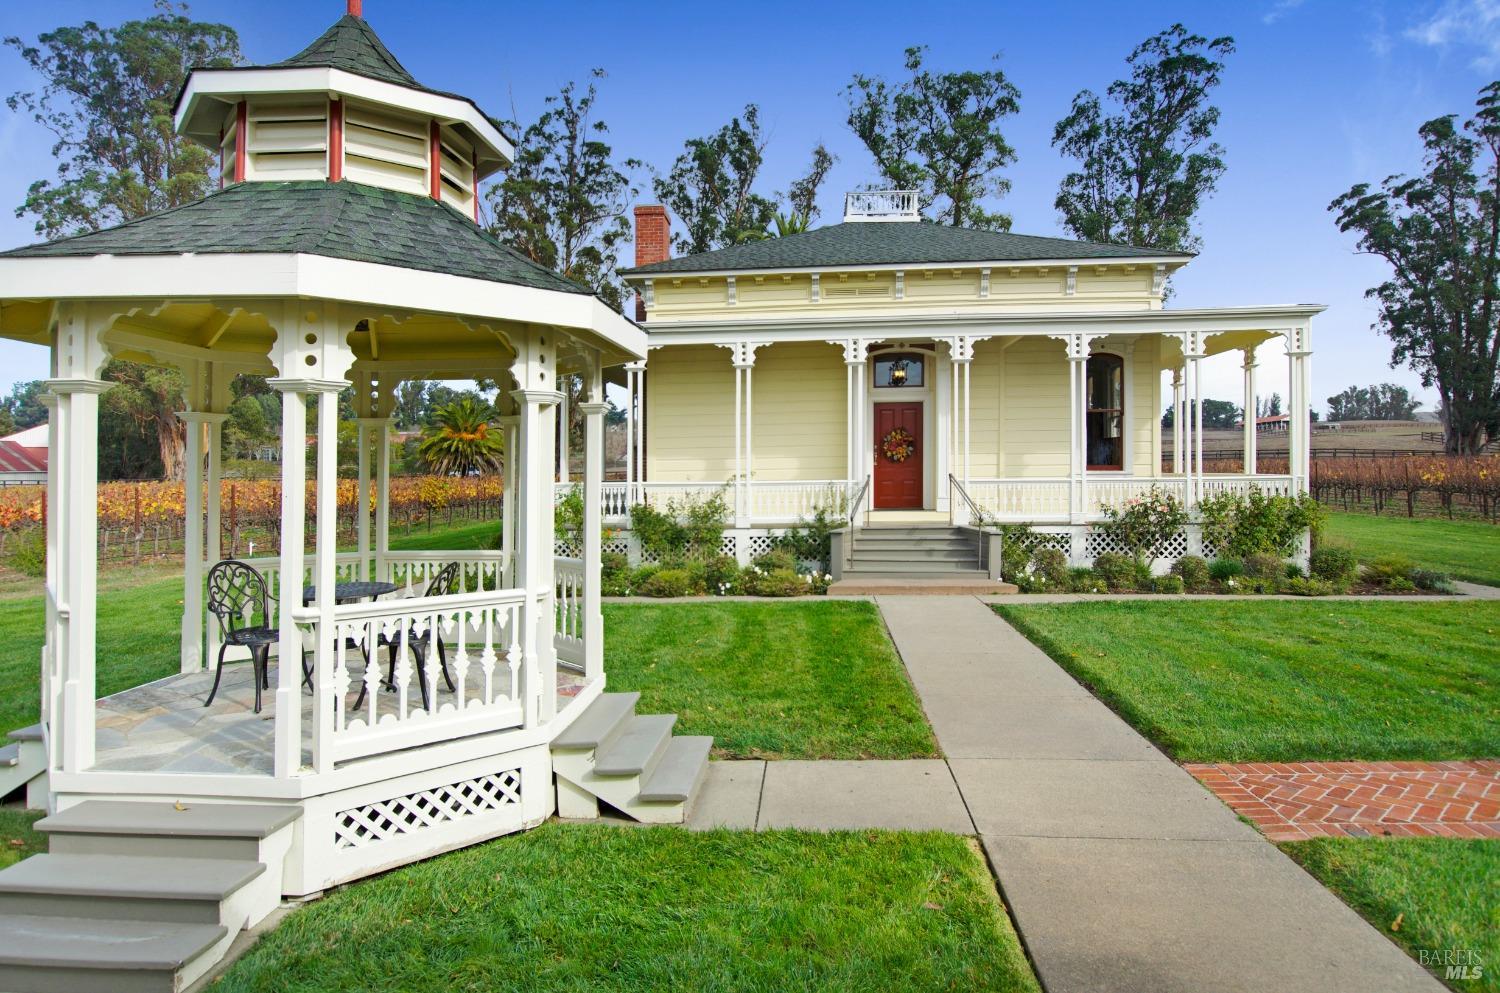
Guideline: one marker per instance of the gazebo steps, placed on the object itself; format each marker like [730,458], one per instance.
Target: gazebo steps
[23,763]
[139,895]
[630,761]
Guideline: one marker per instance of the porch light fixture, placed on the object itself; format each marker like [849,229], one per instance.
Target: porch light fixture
[898,372]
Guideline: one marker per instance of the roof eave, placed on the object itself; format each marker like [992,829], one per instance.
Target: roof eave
[1173,259]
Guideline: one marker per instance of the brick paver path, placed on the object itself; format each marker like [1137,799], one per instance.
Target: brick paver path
[1296,800]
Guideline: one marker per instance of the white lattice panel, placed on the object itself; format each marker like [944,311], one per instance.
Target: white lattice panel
[727,545]
[1097,542]
[373,823]
[567,549]
[620,545]
[760,544]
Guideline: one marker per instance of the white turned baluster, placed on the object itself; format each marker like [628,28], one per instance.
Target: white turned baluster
[487,657]
[461,659]
[403,665]
[340,676]
[372,669]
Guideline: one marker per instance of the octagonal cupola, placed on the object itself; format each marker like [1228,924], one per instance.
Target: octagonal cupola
[344,108]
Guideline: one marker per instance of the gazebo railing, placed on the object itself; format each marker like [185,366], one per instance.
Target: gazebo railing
[483,637]
[568,634]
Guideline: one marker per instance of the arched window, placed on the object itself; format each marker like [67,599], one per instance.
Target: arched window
[1104,411]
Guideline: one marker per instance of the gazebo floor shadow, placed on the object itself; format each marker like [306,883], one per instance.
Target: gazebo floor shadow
[163,726]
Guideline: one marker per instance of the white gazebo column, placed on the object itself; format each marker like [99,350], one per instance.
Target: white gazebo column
[533,556]
[1249,425]
[510,427]
[199,534]
[324,578]
[562,434]
[79,357]
[593,408]
[288,738]
[51,673]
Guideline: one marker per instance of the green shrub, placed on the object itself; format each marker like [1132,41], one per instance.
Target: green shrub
[697,576]
[1255,523]
[1292,570]
[657,533]
[775,559]
[1264,566]
[1016,544]
[1223,570]
[1387,569]
[1194,572]
[721,574]
[1083,580]
[1430,579]
[1401,584]
[1334,563]
[615,584]
[690,527]
[810,540]
[1168,584]
[643,573]
[1118,571]
[567,516]
[667,583]
[27,553]
[778,582]
[613,562]
[1051,566]
[1308,586]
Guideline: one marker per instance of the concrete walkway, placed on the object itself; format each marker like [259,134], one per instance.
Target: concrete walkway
[1123,873]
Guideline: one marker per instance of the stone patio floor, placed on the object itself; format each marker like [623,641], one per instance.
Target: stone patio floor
[1297,800]
[164,726]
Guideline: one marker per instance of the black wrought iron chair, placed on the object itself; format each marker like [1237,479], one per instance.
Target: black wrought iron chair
[240,600]
[443,584]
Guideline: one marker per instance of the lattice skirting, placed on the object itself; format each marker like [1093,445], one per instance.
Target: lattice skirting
[374,823]
[417,812]
[745,544]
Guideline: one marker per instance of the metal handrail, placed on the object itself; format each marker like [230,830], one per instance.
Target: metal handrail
[976,516]
[859,499]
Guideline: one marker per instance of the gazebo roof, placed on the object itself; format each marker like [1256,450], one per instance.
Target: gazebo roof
[343,220]
[352,45]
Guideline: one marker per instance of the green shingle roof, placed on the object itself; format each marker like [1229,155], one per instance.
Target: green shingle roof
[340,220]
[350,44]
[894,243]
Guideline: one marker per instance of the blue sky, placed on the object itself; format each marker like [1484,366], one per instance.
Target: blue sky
[1319,95]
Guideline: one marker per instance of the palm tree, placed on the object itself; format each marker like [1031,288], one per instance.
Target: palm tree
[459,441]
[795,222]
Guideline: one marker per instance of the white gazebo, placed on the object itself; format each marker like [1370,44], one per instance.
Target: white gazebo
[342,253]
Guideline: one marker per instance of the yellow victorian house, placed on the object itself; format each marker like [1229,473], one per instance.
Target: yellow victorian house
[921,378]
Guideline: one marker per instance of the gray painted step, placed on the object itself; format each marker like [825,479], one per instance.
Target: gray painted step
[637,750]
[10,755]
[601,723]
[65,955]
[31,732]
[214,820]
[906,543]
[918,566]
[964,574]
[679,772]
[123,887]
[915,554]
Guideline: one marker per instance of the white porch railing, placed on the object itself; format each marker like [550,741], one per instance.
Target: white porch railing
[1046,499]
[770,500]
[480,635]
[567,637]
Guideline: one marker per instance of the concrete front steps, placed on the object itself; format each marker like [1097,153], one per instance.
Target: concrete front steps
[23,763]
[915,558]
[138,897]
[630,761]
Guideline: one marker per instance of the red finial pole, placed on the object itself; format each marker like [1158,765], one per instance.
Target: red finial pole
[356,8]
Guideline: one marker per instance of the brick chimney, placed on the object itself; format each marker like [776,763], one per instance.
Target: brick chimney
[653,243]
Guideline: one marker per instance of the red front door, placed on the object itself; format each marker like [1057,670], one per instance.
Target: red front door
[898,485]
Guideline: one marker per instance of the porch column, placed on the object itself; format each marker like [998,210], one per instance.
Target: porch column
[1299,428]
[198,534]
[364,429]
[1194,355]
[78,358]
[594,409]
[1077,345]
[640,429]
[742,355]
[52,680]
[633,372]
[562,435]
[1177,393]
[534,547]
[856,351]
[324,577]
[1250,439]
[382,431]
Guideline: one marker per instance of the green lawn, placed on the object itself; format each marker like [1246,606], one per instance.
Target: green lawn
[140,620]
[17,839]
[1434,887]
[814,679]
[1463,549]
[588,908]
[1286,681]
